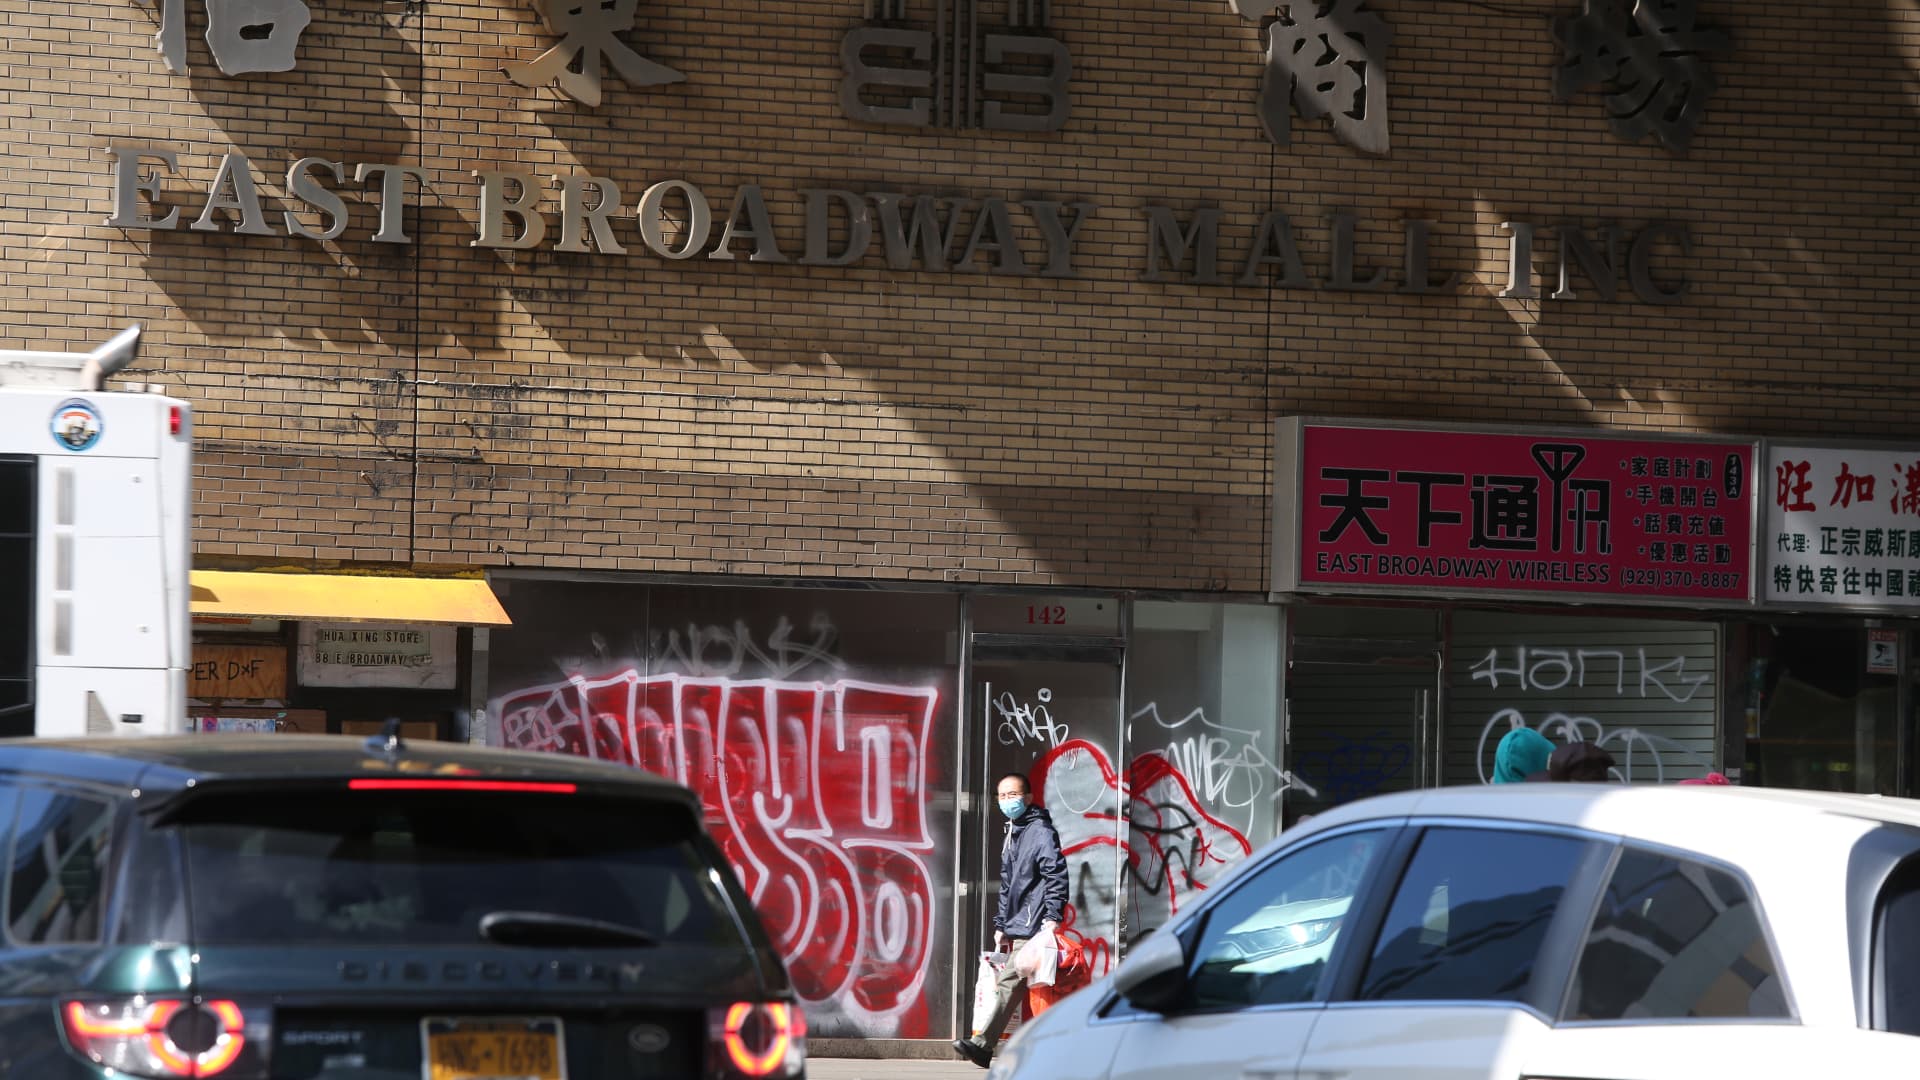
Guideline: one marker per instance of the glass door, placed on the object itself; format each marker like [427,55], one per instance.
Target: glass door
[1829,715]
[1909,708]
[1050,710]
[1363,691]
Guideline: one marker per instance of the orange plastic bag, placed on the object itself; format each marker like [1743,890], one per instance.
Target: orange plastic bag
[1075,973]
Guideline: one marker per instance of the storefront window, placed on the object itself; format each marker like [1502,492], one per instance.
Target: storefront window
[818,727]
[312,678]
[1828,705]
[1911,744]
[1203,704]
[1363,696]
[16,596]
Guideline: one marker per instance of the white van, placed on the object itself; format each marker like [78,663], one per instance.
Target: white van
[95,517]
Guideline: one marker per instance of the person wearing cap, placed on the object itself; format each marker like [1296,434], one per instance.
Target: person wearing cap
[1522,753]
[1578,762]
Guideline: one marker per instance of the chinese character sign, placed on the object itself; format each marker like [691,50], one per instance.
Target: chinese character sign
[1326,59]
[243,35]
[1651,60]
[1486,512]
[586,32]
[264,35]
[1843,527]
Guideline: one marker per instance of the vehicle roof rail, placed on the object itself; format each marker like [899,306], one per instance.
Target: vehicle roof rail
[70,370]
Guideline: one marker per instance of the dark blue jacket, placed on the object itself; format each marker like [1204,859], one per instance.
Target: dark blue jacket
[1033,875]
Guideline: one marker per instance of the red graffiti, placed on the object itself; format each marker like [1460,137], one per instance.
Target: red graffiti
[1173,846]
[816,792]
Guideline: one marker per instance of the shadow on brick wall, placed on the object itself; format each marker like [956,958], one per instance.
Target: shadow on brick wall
[626,410]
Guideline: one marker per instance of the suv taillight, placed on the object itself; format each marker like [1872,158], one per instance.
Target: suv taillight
[752,1040]
[163,1038]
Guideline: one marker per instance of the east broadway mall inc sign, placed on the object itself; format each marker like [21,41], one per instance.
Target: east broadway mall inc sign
[676,220]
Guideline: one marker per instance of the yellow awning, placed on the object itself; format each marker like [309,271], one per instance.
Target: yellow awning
[346,598]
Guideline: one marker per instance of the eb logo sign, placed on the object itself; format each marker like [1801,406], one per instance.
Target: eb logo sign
[957,73]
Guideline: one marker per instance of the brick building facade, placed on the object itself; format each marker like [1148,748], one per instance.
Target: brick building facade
[434,403]
[1052,405]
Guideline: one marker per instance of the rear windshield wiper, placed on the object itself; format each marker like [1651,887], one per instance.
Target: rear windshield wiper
[552,928]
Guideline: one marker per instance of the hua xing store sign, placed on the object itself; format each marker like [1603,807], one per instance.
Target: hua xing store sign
[676,220]
[1383,510]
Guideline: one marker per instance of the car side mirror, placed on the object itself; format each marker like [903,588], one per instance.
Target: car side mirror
[1154,975]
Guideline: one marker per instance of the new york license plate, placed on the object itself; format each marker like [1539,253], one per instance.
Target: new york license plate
[494,1048]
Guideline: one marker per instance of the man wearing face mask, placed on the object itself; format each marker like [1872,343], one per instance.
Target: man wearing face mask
[1033,897]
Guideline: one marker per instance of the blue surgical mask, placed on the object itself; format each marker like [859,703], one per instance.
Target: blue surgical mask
[1012,807]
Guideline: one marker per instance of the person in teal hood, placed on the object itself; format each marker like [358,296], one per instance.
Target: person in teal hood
[1522,752]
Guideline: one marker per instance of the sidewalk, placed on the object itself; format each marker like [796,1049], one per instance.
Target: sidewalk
[823,1068]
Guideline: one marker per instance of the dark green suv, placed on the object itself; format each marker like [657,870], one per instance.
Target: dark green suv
[321,908]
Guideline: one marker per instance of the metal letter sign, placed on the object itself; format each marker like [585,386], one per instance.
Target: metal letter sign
[1330,63]
[586,29]
[1649,62]
[243,35]
[956,75]
[264,35]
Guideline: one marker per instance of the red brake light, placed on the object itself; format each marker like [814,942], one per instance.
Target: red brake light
[759,1039]
[166,1039]
[381,784]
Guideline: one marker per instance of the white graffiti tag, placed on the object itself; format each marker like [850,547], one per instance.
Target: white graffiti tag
[1226,765]
[723,652]
[1557,669]
[1638,755]
[1019,723]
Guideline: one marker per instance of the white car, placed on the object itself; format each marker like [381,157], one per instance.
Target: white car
[1574,931]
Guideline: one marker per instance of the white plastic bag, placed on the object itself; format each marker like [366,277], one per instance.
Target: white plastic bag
[1039,959]
[986,989]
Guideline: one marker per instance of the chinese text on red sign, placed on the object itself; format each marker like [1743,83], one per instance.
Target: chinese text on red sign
[1472,511]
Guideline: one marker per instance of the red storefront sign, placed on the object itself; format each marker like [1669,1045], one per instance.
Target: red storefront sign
[1486,512]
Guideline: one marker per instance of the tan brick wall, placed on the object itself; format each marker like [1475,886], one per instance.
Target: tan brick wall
[446,405]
